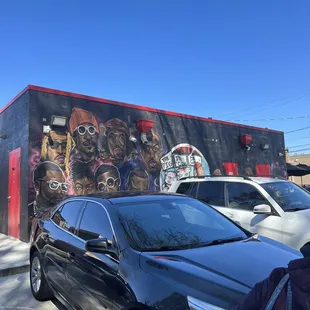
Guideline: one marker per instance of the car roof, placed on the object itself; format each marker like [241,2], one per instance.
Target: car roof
[129,197]
[262,180]
[259,180]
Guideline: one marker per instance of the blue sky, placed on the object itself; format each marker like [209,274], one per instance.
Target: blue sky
[241,59]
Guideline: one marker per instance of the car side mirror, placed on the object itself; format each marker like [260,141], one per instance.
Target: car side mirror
[100,245]
[262,209]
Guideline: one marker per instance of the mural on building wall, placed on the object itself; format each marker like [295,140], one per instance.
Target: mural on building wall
[93,155]
[89,156]
[184,160]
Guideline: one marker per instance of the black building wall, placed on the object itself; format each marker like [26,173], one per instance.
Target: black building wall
[110,155]
[178,146]
[14,124]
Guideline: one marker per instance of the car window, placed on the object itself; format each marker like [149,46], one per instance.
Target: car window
[188,188]
[174,223]
[288,195]
[66,216]
[95,224]
[244,196]
[196,217]
[212,193]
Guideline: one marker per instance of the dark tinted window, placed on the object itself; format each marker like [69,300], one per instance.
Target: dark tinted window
[244,196]
[95,224]
[212,193]
[66,217]
[188,188]
[174,223]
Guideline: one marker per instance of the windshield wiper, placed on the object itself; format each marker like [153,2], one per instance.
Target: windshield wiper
[295,209]
[228,240]
[168,248]
[194,245]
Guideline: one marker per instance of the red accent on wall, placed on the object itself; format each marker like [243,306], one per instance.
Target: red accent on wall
[133,106]
[231,168]
[263,170]
[246,139]
[14,194]
[144,125]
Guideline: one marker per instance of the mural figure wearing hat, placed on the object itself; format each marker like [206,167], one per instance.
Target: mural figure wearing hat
[84,129]
[56,147]
[151,153]
[115,142]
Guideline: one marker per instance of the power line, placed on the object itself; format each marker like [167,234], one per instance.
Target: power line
[276,105]
[300,150]
[272,119]
[300,145]
[248,109]
[300,129]
[301,138]
[267,105]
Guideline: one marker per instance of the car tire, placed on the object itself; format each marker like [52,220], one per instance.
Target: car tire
[38,283]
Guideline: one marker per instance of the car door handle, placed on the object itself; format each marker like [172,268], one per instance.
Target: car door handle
[46,237]
[71,255]
[230,215]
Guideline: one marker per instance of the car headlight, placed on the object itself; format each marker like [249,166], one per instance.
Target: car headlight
[196,304]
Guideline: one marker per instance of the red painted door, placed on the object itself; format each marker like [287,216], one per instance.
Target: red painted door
[13,194]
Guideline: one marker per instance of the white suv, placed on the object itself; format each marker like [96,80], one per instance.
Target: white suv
[274,208]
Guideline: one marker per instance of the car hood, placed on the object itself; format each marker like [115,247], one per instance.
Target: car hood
[305,213]
[239,265]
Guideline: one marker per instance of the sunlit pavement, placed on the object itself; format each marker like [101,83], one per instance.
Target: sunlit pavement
[14,255]
[15,293]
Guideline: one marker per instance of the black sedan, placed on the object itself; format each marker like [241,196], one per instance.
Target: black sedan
[130,251]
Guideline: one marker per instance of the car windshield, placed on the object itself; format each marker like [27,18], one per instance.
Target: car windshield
[288,195]
[173,224]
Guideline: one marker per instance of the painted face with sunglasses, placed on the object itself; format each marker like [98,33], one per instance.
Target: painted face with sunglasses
[108,181]
[51,188]
[56,152]
[86,138]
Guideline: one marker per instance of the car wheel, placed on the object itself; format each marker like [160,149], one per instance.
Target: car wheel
[39,286]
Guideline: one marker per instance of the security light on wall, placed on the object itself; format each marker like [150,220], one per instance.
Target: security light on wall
[264,146]
[46,129]
[59,121]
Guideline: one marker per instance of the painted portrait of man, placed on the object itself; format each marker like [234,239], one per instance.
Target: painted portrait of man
[50,186]
[84,130]
[82,179]
[107,178]
[138,180]
[170,177]
[56,148]
[151,153]
[116,140]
